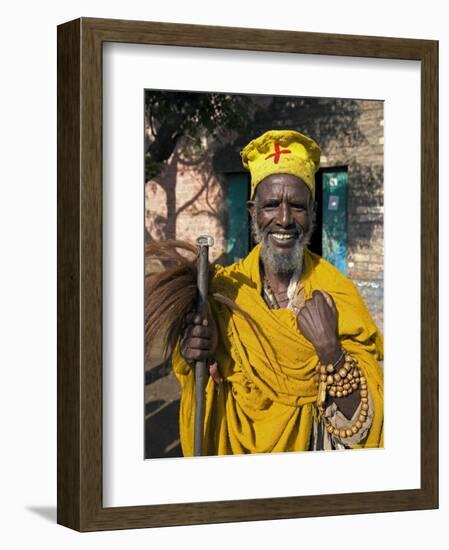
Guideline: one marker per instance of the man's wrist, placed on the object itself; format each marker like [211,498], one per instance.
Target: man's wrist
[330,354]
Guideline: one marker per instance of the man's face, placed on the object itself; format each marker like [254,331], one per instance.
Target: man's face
[282,219]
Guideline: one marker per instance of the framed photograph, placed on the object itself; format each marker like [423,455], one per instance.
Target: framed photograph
[170,132]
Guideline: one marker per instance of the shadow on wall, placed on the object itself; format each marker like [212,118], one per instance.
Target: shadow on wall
[161,226]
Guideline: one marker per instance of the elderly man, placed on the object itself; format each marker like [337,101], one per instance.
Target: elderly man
[294,365]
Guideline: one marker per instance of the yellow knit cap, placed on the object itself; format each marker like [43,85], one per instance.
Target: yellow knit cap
[282,152]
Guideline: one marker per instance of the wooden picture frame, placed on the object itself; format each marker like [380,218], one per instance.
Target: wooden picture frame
[80,351]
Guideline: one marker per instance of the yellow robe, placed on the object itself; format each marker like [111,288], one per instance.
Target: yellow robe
[267,400]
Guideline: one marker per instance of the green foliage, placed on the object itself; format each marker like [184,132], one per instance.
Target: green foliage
[152,168]
[191,116]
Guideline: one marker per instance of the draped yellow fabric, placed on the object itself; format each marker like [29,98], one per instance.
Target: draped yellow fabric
[266,402]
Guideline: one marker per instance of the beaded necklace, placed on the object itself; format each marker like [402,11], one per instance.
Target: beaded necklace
[295,292]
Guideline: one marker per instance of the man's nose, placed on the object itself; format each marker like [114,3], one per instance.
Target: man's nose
[285,215]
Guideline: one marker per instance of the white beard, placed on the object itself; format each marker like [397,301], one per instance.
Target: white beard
[281,263]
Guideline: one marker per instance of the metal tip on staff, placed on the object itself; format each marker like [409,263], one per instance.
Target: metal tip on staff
[205,240]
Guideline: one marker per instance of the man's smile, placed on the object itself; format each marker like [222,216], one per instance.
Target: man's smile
[284,239]
[284,236]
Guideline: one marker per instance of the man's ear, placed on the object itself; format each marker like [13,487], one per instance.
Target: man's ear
[314,210]
[250,206]
[313,205]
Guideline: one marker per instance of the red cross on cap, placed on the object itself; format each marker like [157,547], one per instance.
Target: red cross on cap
[277,153]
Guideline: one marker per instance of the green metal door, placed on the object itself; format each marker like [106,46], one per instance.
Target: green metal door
[335,225]
[237,230]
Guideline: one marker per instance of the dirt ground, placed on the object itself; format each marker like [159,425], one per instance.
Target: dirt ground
[162,397]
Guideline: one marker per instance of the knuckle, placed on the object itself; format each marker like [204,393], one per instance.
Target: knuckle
[186,354]
[193,344]
[199,354]
[192,354]
[200,343]
[201,332]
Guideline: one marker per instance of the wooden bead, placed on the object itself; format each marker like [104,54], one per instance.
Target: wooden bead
[361,418]
[332,393]
[362,380]
[349,376]
[330,428]
[342,372]
[348,357]
[337,377]
[346,386]
[339,393]
[322,369]
[365,406]
[364,399]
[354,385]
[357,380]
[330,368]
[345,393]
[348,433]
[323,377]
[347,366]
[354,429]
[363,393]
[340,383]
[358,424]
[330,379]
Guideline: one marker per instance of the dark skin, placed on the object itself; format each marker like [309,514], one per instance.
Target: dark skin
[284,208]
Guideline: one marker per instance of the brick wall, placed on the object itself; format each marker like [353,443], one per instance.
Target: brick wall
[185,202]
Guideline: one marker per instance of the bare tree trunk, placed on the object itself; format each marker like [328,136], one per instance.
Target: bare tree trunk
[168,183]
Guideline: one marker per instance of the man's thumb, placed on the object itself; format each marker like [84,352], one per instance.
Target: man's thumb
[329,300]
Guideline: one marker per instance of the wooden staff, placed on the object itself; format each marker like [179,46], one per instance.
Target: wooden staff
[204,242]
